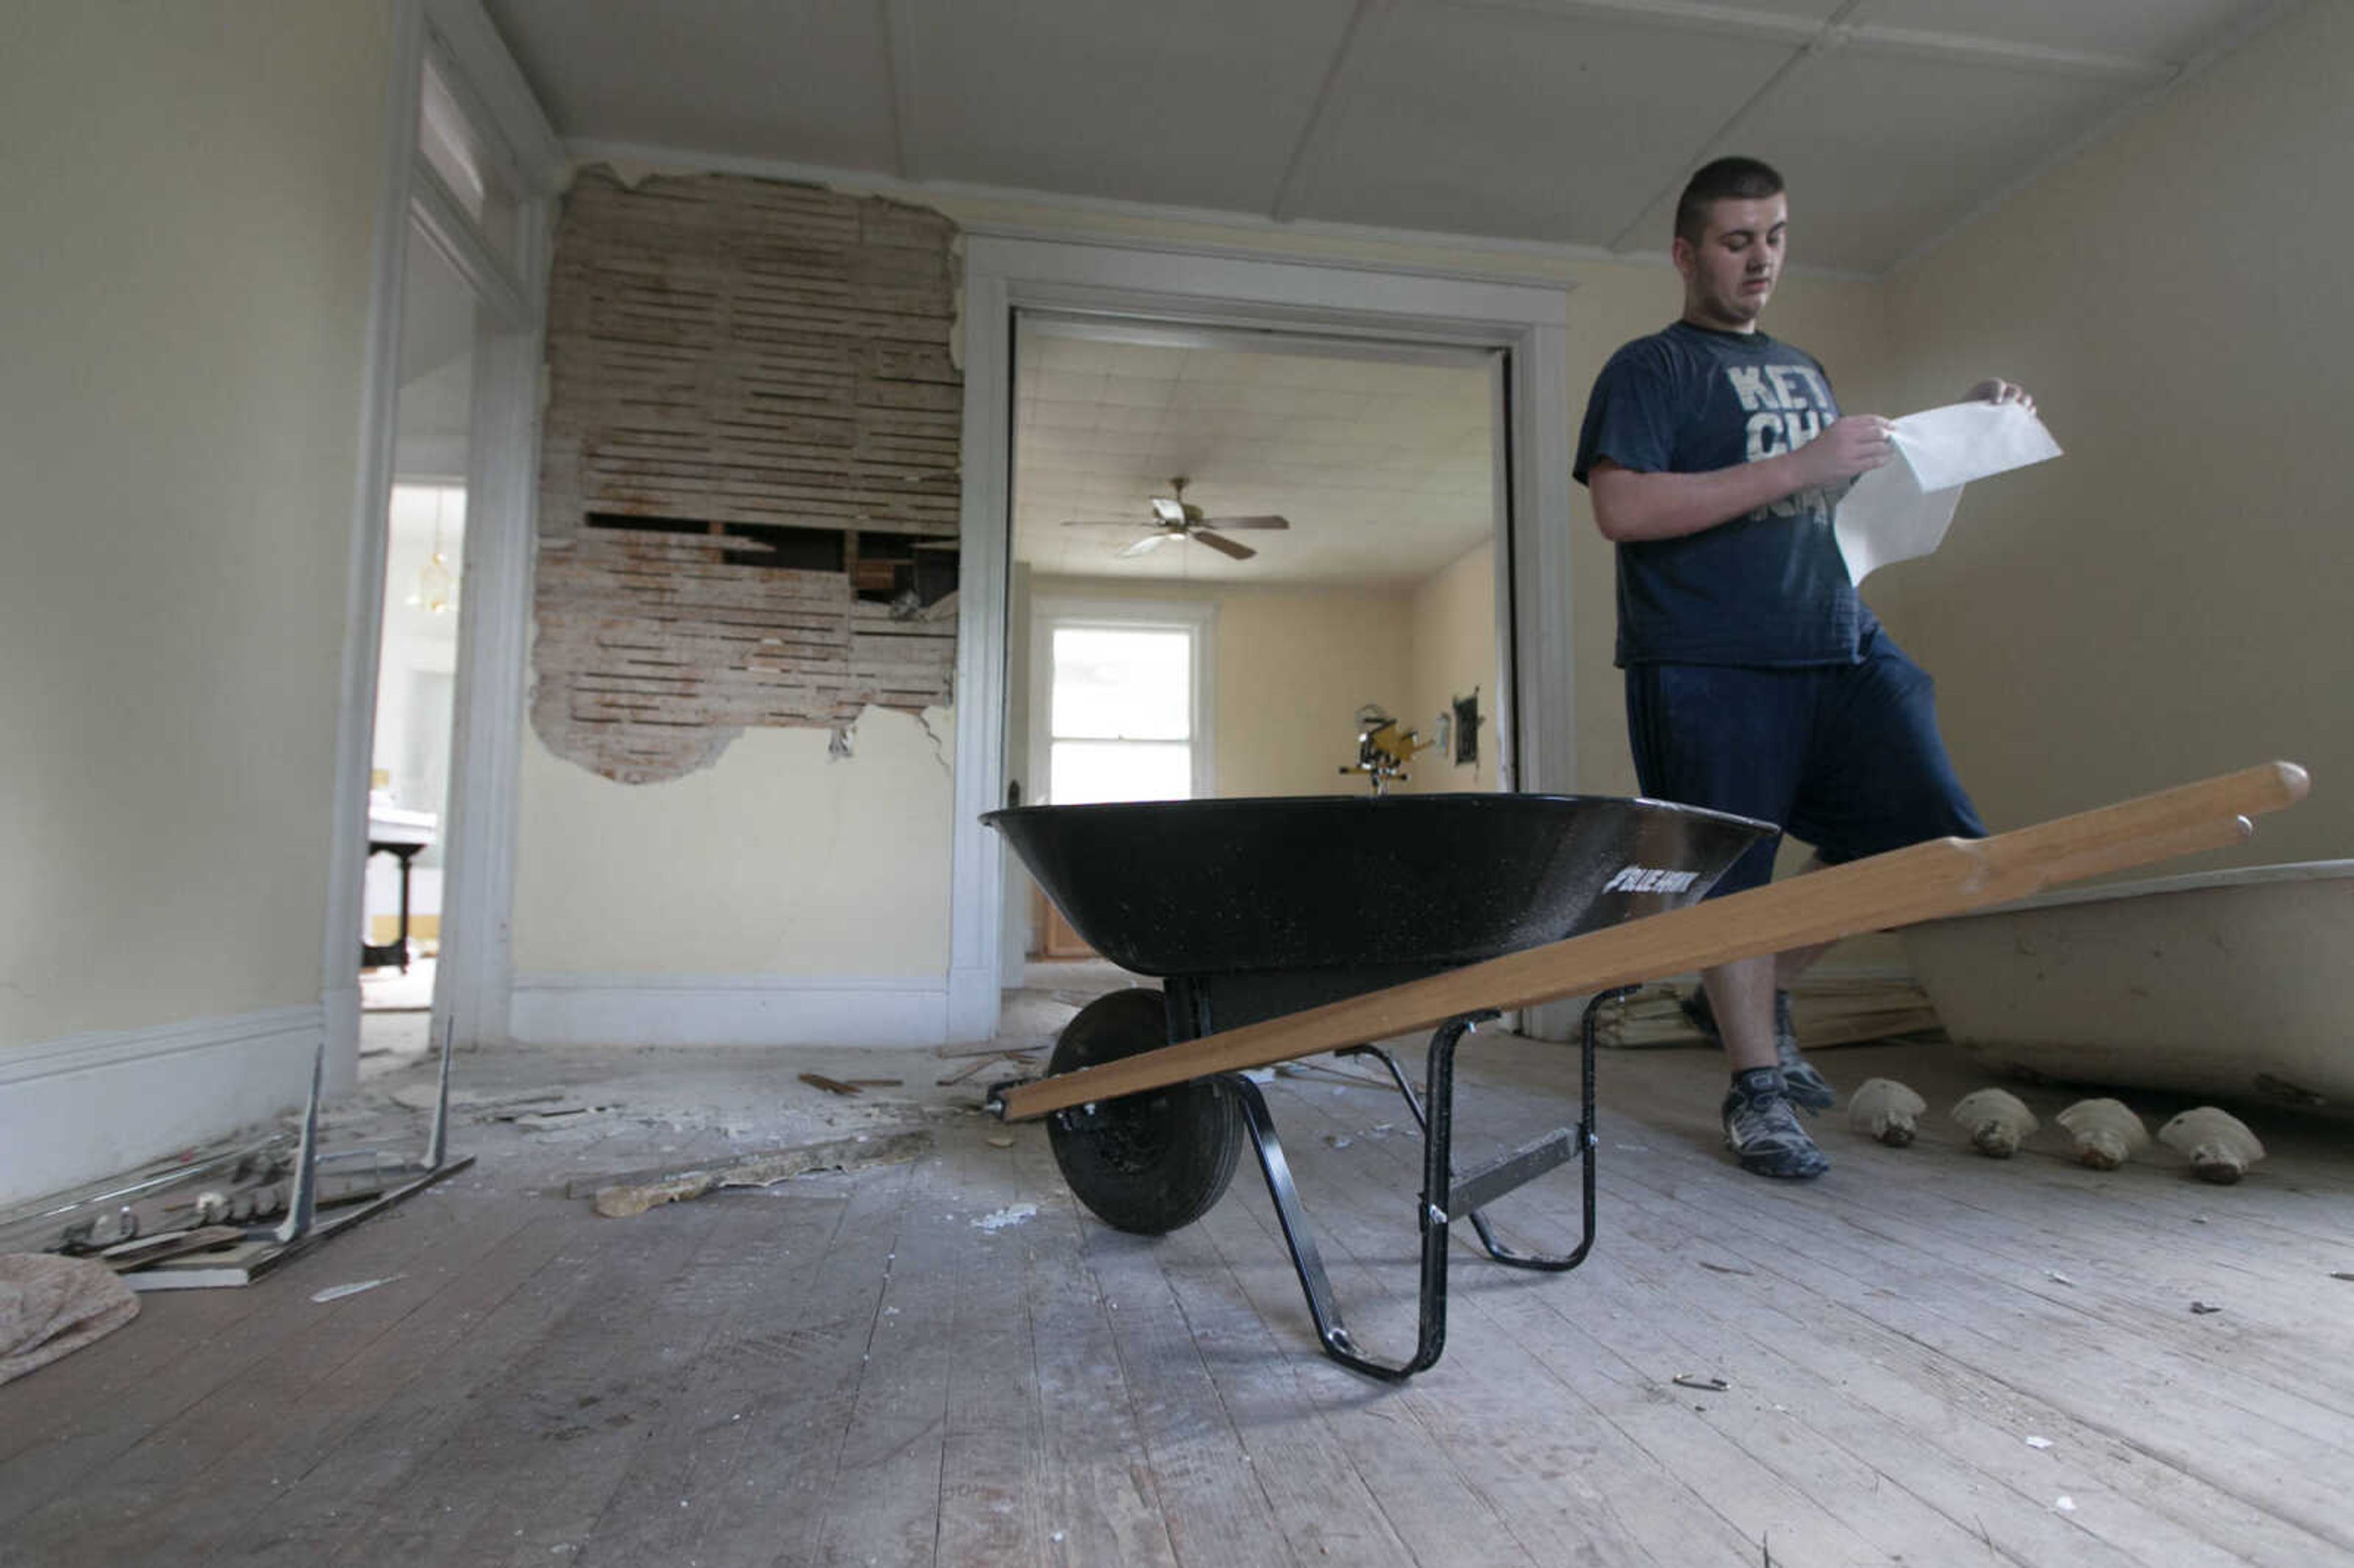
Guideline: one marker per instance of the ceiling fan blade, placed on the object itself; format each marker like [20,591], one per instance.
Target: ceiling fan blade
[1152,542]
[1247,522]
[1223,545]
[1106,523]
[1167,509]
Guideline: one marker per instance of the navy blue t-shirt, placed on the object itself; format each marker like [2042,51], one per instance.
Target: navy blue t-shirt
[1768,589]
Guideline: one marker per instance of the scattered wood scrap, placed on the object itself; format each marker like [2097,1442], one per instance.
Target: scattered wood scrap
[1021,1058]
[139,1253]
[1828,1011]
[620,1197]
[830,1085]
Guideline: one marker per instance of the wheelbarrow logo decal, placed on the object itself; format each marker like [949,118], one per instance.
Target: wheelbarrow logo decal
[1647,879]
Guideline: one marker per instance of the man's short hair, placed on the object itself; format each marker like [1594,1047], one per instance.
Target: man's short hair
[1726,179]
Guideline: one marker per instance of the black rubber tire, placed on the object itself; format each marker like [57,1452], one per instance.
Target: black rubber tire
[1146,1163]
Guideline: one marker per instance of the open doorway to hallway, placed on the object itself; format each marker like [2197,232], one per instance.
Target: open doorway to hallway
[416,660]
[1234,555]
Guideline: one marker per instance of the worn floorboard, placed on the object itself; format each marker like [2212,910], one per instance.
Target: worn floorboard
[950,1363]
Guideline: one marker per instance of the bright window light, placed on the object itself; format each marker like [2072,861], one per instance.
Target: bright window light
[1090,771]
[1122,715]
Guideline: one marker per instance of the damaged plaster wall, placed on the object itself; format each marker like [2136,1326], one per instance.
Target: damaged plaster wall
[745,617]
[749,496]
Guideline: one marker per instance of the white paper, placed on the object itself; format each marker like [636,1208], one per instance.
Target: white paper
[1900,509]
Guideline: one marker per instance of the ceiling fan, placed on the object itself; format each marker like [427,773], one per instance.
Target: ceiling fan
[1175,518]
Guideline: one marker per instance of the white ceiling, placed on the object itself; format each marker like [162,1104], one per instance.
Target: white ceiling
[1385,468]
[1565,121]
[1562,122]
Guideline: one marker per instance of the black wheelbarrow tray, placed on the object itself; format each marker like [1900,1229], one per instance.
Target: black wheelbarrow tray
[1285,927]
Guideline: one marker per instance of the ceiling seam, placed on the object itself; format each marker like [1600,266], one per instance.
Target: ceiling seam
[1719,22]
[1827,36]
[1956,48]
[1246,227]
[1331,94]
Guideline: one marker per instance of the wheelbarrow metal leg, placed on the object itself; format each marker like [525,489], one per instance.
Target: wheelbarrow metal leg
[1437,1186]
[1470,1195]
[1307,1262]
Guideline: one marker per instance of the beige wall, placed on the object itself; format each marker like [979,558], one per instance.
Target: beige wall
[1292,667]
[1452,650]
[777,860]
[2170,599]
[189,194]
[780,860]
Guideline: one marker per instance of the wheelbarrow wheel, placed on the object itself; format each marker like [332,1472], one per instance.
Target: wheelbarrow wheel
[1149,1162]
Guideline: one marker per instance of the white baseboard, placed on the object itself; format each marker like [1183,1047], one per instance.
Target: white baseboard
[89,1105]
[726,1009]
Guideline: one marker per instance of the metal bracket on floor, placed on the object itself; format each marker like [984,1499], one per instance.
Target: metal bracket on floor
[437,1141]
[302,1199]
[1445,1197]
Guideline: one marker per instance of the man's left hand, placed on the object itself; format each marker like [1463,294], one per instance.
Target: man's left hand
[1996,390]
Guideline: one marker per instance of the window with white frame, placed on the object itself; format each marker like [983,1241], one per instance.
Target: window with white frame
[1122,712]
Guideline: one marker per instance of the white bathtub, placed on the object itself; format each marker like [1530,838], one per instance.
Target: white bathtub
[2236,984]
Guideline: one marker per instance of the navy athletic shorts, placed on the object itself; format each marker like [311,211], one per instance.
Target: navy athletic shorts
[1846,758]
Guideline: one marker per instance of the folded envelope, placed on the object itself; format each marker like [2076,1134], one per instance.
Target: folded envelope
[1900,509]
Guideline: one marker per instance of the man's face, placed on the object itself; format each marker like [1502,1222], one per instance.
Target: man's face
[1730,273]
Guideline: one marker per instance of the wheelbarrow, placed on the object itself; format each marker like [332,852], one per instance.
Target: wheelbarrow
[1285,927]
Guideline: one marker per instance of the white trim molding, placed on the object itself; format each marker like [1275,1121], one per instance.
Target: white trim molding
[87,1105]
[1529,322]
[364,584]
[725,1010]
[479,819]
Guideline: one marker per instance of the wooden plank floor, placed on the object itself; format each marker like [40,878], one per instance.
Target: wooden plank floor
[950,1363]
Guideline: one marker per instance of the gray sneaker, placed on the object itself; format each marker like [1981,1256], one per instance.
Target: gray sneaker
[1764,1132]
[1808,1089]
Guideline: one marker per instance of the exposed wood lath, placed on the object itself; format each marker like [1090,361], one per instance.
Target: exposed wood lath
[749,484]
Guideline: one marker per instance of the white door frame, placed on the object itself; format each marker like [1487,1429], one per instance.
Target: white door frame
[1003,273]
[501,483]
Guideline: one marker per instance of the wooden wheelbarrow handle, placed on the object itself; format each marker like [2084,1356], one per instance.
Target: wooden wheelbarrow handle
[1925,881]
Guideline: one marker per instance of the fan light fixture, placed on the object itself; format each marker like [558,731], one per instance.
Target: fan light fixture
[435,592]
[1175,520]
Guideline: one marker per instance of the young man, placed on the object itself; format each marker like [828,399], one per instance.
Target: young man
[1757,682]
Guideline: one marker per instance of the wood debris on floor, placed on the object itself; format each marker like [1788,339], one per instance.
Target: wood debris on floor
[1827,1010]
[944,1360]
[620,1197]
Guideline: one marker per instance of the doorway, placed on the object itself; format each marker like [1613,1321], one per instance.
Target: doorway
[416,651]
[1533,714]
[1235,555]
[430,717]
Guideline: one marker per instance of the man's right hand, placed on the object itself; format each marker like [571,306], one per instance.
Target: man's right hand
[1848,447]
